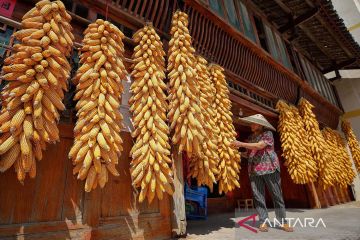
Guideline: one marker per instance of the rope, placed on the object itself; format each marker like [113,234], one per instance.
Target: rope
[107,10]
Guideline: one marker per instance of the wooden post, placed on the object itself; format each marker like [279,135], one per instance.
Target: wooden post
[349,194]
[344,193]
[322,195]
[330,196]
[341,194]
[326,201]
[178,217]
[337,200]
[92,208]
[313,197]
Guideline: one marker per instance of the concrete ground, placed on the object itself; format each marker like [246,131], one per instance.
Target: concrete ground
[338,222]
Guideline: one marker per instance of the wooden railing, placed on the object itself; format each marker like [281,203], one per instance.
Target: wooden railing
[135,13]
[218,45]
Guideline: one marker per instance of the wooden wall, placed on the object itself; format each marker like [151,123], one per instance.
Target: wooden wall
[55,206]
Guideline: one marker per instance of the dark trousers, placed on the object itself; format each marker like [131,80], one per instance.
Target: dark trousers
[273,183]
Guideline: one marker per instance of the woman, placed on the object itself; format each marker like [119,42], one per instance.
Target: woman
[264,169]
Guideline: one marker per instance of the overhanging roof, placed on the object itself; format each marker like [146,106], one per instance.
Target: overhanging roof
[323,37]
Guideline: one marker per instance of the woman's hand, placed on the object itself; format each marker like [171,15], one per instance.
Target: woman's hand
[236,144]
[253,146]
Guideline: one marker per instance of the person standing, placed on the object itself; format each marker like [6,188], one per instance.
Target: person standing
[264,169]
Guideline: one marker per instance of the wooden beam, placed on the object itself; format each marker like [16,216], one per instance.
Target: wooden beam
[352,114]
[315,41]
[335,36]
[283,6]
[339,66]
[178,217]
[120,15]
[298,20]
[292,35]
[255,107]
[313,196]
[337,76]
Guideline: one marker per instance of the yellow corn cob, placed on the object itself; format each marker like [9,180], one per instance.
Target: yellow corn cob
[33,98]
[341,163]
[352,141]
[295,145]
[229,164]
[318,146]
[205,166]
[7,144]
[93,134]
[9,158]
[17,119]
[187,87]
[145,170]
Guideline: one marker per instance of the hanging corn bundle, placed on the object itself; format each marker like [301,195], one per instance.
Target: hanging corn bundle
[353,142]
[204,167]
[229,158]
[98,144]
[341,159]
[37,72]
[184,115]
[150,165]
[318,146]
[295,145]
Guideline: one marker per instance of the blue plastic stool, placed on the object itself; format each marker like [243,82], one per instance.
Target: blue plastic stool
[197,195]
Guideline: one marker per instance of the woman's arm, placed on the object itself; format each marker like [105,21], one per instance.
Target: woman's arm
[253,146]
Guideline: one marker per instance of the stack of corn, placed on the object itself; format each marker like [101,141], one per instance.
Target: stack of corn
[204,167]
[295,145]
[37,72]
[353,143]
[185,115]
[229,158]
[98,144]
[318,146]
[341,160]
[150,165]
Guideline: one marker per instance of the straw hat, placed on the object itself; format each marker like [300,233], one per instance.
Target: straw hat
[258,119]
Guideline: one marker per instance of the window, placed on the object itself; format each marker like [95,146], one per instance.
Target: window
[216,6]
[231,12]
[333,96]
[318,81]
[272,44]
[245,17]
[294,59]
[330,91]
[315,82]
[261,33]
[5,35]
[326,88]
[306,71]
[284,56]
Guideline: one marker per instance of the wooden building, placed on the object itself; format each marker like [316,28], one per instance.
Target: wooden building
[274,49]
